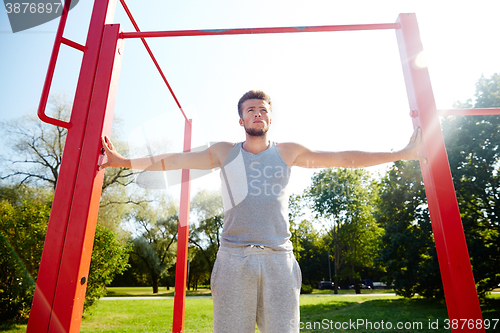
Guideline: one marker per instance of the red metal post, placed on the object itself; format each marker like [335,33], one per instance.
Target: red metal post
[77,252]
[182,241]
[456,272]
[42,314]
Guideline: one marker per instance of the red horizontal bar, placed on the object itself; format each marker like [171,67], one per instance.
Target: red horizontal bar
[469,112]
[247,31]
[73,44]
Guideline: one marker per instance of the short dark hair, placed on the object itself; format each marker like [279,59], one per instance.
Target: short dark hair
[253,94]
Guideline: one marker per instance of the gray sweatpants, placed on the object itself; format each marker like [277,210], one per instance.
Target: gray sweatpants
[255,285]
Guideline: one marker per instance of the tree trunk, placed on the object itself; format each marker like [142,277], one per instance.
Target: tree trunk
[154,280]
[357,286]
[337,260]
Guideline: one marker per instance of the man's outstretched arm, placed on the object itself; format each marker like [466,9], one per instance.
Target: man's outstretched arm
[307,158]
[203,160]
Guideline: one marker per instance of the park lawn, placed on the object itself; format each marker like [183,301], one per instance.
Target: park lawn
[384,313]
[147,316]
[318,314]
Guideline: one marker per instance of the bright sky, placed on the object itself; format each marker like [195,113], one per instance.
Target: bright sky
[330,90]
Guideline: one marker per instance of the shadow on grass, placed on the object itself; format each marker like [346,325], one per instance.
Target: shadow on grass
[490,308]
[384,315]
[12,327]
[420,314]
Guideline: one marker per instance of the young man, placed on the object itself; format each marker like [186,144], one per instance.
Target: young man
[256,279]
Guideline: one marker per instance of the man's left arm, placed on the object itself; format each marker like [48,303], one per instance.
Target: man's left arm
[304,157]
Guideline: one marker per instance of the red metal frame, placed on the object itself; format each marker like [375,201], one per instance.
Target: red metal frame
[182,241]
[456,271]
[469,112]
[51,69]
[183,227]
[247,31]
[134,23]
[60,291]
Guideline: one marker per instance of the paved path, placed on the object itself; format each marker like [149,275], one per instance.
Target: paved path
[171,297]
[310,295]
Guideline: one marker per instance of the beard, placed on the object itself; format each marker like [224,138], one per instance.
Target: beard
[257,131]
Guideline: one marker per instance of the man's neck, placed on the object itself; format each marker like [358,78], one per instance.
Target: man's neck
[256,144]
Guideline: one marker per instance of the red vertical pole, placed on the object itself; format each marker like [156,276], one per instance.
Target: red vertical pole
[41,310]
[456,272]
[182,241]
[77,251]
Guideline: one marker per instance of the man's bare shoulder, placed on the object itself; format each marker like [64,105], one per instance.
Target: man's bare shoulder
[290,150]
[288,144]
[291,147]
[221,151]
[222,145]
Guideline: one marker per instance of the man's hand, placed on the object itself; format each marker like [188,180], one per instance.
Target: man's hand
[113,158]
[410,152]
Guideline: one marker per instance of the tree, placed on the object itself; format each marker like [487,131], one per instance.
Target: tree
[295,213]
[408,251]
[472,144]
[36,154]
[109,258]
[23,224]
[308,247]
[312,254]
[207,208]
[155,245]
[345,197]
[198,269]
[34,159]
[37,147]
[24,216]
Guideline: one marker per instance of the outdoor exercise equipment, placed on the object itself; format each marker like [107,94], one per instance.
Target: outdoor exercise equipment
[61,284]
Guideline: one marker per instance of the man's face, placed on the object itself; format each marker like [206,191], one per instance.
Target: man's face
[256,117]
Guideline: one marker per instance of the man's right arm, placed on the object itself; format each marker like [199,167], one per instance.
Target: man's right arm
[210,158]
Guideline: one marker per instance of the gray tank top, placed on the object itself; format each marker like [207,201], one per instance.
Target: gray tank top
[255,197]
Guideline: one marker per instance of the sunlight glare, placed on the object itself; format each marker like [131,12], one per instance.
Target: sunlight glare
[420,61]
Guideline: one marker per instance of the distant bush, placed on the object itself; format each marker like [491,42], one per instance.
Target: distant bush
[22,233]
[109,258]
[306,289]
[23,226]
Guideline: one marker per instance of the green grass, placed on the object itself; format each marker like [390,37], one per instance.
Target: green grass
[147,316]
[356,313]
[156,315]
